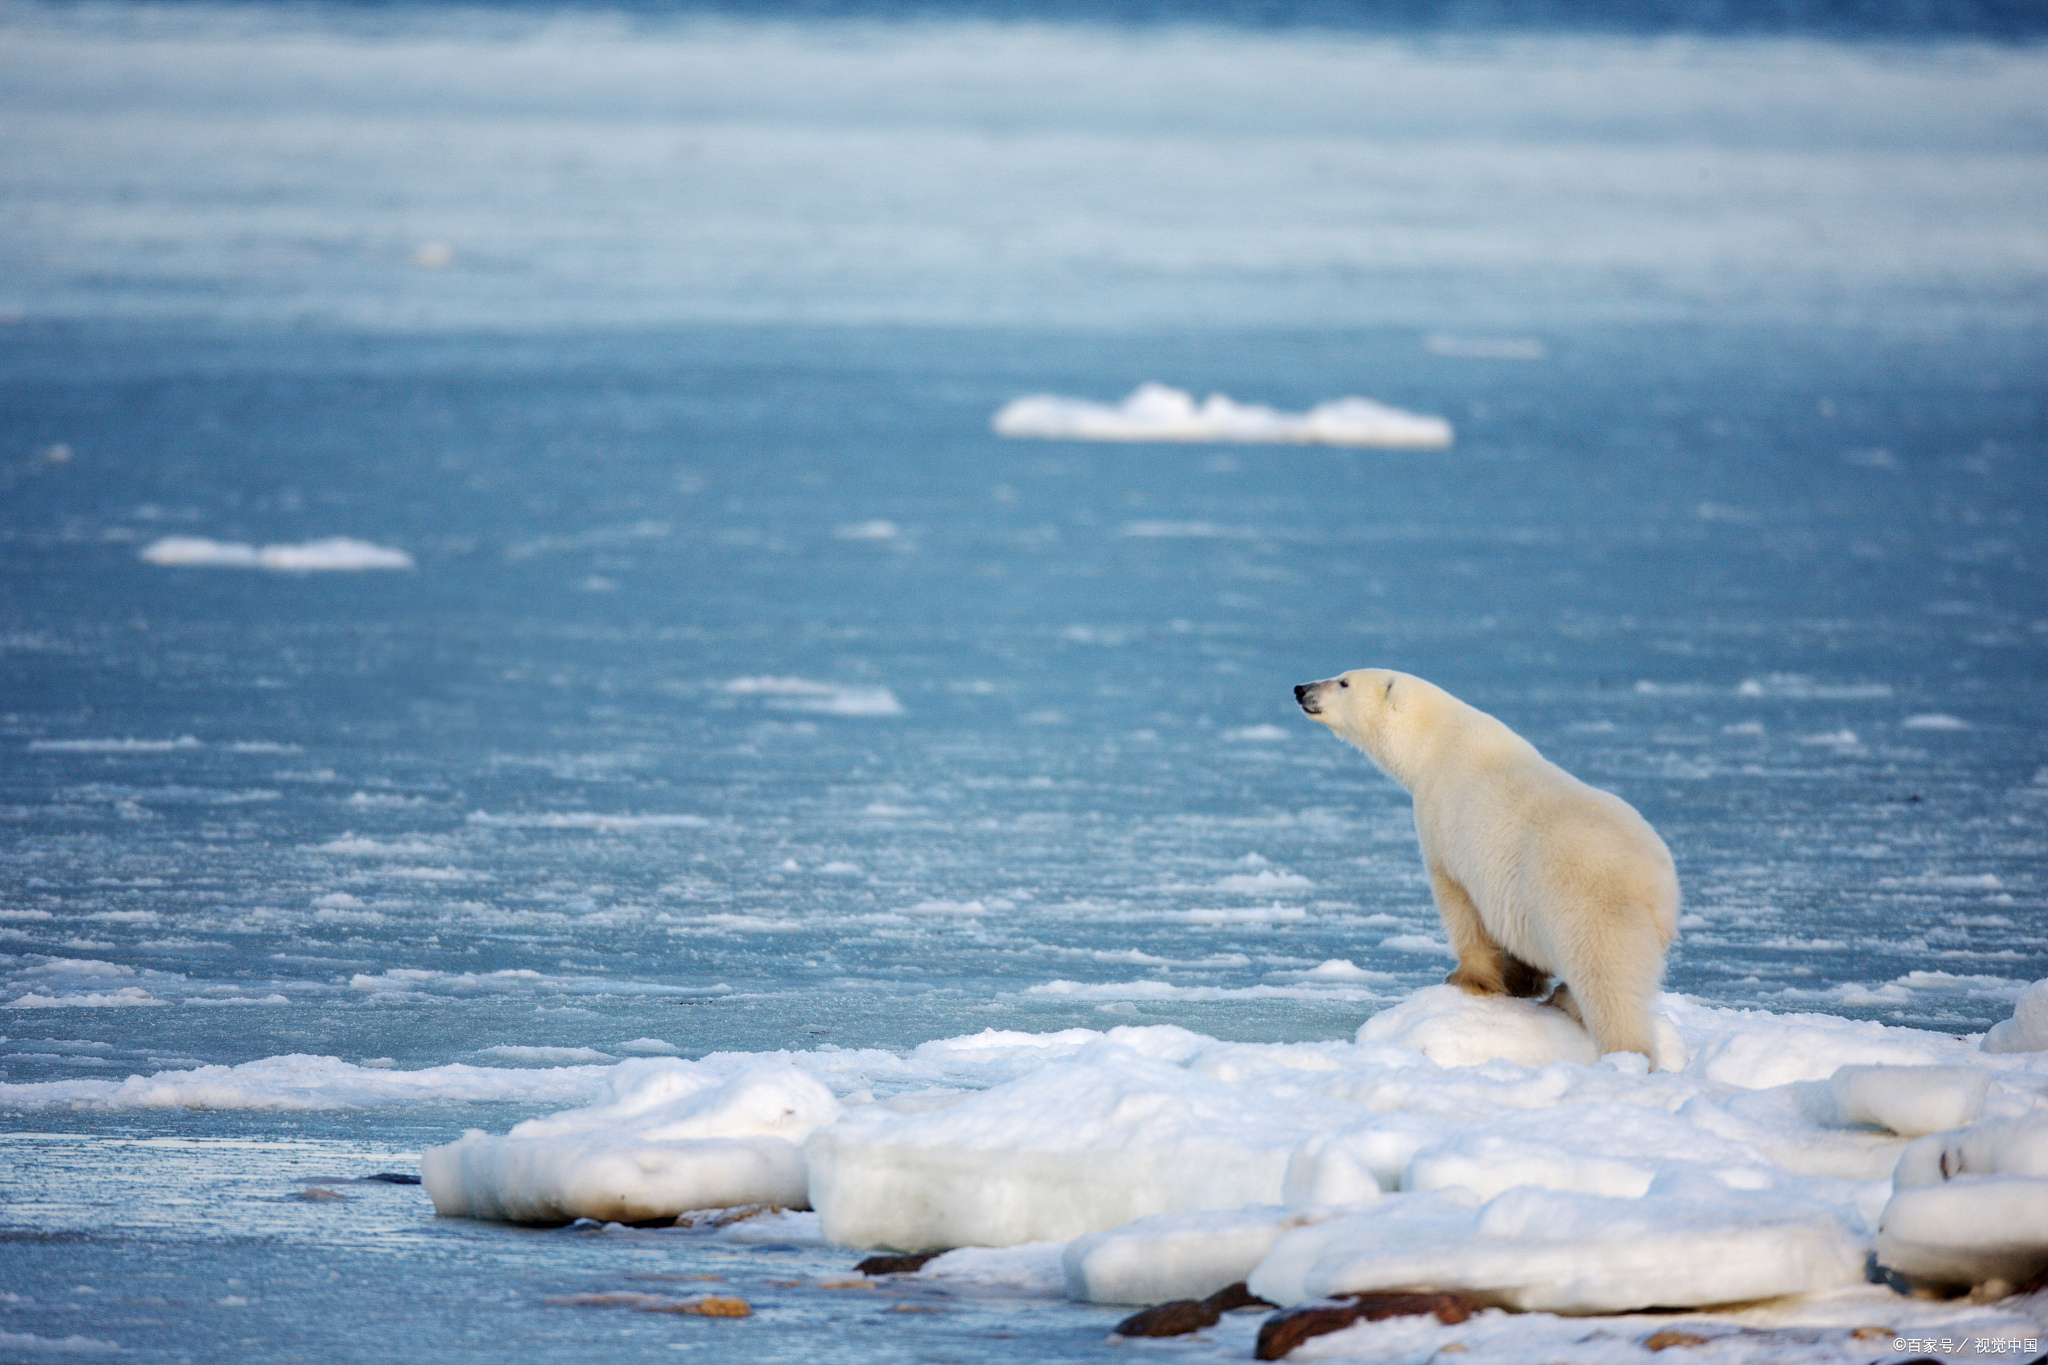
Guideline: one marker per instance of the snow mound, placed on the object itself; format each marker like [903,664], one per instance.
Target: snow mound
[1458,1143]
[664,1137]
[333,554]
[1155,412]
[1452,1028]
[2027,1030]
[1077,1146]
[1909,1100]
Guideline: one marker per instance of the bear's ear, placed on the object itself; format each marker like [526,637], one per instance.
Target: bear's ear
[1393,702]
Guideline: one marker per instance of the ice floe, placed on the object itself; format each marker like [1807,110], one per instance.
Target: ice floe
[802,694]
[333,554]
[663,1138]
[1155,412]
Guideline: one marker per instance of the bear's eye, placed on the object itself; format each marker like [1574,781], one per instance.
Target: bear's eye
[1341,682]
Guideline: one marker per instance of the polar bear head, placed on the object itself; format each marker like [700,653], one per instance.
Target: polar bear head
[1387,714]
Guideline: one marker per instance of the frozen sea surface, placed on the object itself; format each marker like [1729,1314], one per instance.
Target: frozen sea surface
[746,692]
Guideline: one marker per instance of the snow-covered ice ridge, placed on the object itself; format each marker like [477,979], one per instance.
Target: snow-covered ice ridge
[1458,1143]
[1155,412]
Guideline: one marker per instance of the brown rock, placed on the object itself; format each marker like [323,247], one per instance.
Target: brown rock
[320,1194]
[1671,1336]
[1284,1331]
[1169,1319]
[715,1306]
[893,1265]
[1232,1297]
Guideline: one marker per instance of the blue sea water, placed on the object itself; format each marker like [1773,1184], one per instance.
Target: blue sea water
[748,693]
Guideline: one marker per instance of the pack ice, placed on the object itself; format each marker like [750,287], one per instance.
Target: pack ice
[1456,1143]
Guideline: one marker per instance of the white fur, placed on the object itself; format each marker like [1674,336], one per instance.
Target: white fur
[1523,858]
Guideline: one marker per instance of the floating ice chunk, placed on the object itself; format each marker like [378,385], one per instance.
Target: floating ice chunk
[1453,1028]
[1077,1146]
[1909,1100]
[513,1181]
[1484,348]
[2027,1030]
[335,553]
[1033,1267]
[832,699]
[662,1139]
[1173,1255]
[111,746]
[1155,412]
[1556,1252]
[1967,1231]
[1265,882]
[123,997]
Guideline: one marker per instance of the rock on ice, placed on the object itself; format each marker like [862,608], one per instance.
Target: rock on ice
[666,1137]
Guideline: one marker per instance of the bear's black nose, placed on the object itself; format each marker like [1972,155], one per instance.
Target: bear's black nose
[1301,692]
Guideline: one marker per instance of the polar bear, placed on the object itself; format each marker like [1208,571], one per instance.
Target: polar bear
[1535,873]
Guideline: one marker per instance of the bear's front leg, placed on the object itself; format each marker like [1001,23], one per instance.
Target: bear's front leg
[1481,961]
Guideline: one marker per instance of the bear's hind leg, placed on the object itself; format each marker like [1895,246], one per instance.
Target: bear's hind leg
[1613,1002]
[1482,963]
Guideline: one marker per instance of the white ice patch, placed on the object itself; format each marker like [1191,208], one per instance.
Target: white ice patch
[1265,882]
[1484,348]
[1155,412]
[115,999]
[831,699]
[29,1344]
[304,1082]
[521,1055]
[590,820]
[664,1137]
[333,554]
[111,746]
[1257,734]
